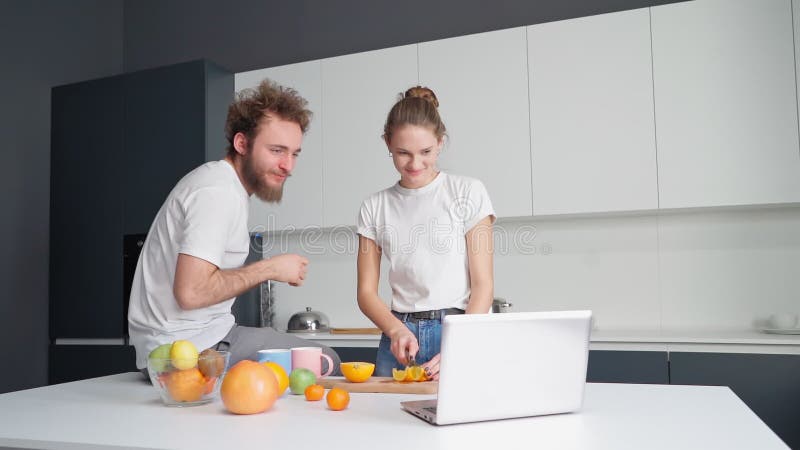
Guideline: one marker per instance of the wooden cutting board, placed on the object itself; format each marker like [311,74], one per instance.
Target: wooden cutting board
[381,384]
[355,331]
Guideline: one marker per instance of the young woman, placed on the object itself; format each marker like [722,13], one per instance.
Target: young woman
[435,230]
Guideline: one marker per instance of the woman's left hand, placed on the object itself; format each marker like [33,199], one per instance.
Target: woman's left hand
[432,367]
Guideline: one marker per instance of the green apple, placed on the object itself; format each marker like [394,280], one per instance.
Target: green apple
[300,379]
[158,359]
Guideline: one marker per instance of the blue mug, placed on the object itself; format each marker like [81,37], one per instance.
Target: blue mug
[282,356]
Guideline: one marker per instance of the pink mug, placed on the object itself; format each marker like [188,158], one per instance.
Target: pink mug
[311,359]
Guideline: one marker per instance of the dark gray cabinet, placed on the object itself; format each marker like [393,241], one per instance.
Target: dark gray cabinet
[768,384]
[607,366]
[85,209]
[118,147]
[78,362]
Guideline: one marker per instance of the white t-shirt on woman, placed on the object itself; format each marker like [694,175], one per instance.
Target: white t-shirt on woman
[422,233]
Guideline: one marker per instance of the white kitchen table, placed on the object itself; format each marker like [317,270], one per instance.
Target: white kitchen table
[123,411]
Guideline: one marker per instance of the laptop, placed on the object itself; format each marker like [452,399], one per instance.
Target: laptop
[485,355]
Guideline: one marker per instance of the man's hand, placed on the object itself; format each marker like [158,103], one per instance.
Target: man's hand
[288,268]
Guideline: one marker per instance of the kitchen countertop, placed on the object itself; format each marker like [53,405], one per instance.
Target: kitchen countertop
[721,341]
[124,411]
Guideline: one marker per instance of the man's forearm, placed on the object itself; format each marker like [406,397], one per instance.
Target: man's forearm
[223,284]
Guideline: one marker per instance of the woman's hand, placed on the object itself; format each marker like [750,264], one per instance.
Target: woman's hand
[432,367]
[404,344]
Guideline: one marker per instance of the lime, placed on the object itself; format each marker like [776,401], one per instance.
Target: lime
[183,354]
[300,379]
[159,358]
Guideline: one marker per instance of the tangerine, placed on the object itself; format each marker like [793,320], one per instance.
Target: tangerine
[337,399]
[249,388]
[314,392]
[186,385]
[280,374]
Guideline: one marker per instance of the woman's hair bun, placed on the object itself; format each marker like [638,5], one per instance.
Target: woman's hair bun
[423,92]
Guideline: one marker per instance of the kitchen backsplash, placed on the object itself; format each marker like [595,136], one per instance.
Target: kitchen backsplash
[708,269]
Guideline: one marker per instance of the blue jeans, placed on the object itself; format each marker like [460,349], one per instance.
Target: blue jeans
[429,336]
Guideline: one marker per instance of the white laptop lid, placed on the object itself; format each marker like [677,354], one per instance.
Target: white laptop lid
[499,366]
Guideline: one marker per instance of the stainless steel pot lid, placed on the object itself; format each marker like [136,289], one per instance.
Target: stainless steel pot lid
[308,321]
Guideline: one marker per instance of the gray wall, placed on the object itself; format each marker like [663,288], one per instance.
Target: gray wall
[42,44]
[253,34]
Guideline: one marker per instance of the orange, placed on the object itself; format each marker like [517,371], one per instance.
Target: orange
[249,388]
[314,392]
[210,382]
[398,375]
[338,399]
[357,372]
[414,373]
[280,374]
[186,385]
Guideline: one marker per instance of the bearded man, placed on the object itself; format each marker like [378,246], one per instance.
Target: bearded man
[190,269]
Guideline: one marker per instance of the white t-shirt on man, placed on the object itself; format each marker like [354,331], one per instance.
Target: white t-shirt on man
[204,216]
[422,234]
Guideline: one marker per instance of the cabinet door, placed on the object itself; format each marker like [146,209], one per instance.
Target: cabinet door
[768,384]
[726,107]
[78,362]
[591,109]
[481,83]
[164,137]
[302,197]
[606,366]
[85,210]
[357,92]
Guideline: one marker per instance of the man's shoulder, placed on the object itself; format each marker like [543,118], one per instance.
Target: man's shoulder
[213,174]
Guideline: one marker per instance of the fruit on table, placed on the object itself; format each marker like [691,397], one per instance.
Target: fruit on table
[357,372]
[412,373]
[183,354]
[186,385]
[300,379]
[211,363]
[314,392]
[337,399]
[210,383]
[160,357]
[249,388]
[280,374]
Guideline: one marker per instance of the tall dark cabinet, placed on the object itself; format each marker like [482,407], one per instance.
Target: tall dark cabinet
[118,146]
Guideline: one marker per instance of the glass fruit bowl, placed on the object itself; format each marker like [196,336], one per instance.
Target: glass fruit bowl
[188,382]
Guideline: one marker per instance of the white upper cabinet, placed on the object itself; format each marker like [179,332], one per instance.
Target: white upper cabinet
[726,104]
[796,15]
[591,109]
[357,92]
[481,83]
[302,196]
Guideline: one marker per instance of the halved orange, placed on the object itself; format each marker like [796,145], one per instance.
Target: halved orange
[398,375]
[357,372]
[415,373]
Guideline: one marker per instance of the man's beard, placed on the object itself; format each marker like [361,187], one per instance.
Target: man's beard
[260,188]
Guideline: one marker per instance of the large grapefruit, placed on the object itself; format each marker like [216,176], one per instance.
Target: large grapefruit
[249,388]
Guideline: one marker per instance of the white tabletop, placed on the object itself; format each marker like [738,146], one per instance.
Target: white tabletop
[124,411]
